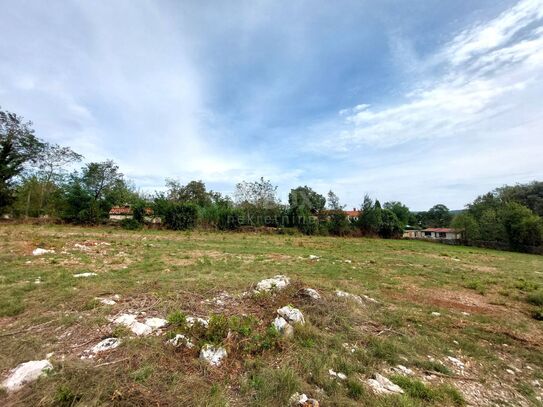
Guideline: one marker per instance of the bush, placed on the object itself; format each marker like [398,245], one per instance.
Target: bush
[131,224]
[181,216]
[229,218]
[535,298]
[390,226]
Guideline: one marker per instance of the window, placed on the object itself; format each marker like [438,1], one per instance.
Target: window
[442,235]
[428,234]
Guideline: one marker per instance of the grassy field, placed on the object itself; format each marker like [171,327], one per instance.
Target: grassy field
[480,307]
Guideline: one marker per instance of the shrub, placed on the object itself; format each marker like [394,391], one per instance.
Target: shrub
[131,224]
[181,216]
[229,218]
[535,298]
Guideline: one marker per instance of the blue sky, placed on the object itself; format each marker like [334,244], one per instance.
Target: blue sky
[426,102]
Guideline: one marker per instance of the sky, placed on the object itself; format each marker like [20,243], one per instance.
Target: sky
[421,101]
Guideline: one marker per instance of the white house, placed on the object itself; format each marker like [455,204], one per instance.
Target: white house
[434,233]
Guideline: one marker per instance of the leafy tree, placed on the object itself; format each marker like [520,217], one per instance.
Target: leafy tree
[400,210]
[338,223]
[468,225]
[258,194]
[529,195]
[304,198]
[180,216]
[390,225]
[491,227]
[523,227]
[194,192]
[438,216]
[18,147]
[333,202]
[370,218]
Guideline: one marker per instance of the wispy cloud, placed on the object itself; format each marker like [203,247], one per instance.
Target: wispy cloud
[482,72]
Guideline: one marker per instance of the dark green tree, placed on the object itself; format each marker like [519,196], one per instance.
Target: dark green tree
[400,210]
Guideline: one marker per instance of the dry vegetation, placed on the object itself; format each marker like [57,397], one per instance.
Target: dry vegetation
[479,307]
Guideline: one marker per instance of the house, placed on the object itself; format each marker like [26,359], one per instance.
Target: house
[352,215]
[434,233]
[119,213]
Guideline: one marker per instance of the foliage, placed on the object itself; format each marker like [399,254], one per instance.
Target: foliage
[468,225]
[258,194]
[194,192]
[522,226]
[438,216]
[304,200]
[390,225]
[18,147]
[131,224]
[181,216]
[370,218]
[400,210]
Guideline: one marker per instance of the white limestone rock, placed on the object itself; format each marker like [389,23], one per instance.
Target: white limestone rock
[301,400]
[156,323]
[291,314]
[382,385]
[213,355]
[26,373]
[85,275]
[39,251]
[196,320]
[102,346]
[283,327]
[403,370]
[275,283]
[337,375]
[181,340]
[311,293]
[313,257]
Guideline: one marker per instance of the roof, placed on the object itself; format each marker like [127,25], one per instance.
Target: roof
[120,210]
[127,210]
[352,214]
[441,230]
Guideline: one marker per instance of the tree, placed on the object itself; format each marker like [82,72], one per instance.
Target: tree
[390,225]
[468,225]
[100,178]
[260,194]
[51,161]
[333,202]
[18,147]
[529,195]
[523,227]
[370,218]
[304,198]
[400,210]
[438,216]
[194,192]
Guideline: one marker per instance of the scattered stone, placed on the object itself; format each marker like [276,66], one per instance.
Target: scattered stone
[350,348]
[82,247]
[39,251]
[467,314]
[106,301]
[313,257]
[105,345]
[37,280]
[25,373]
[156,323]
[403,370]
[457,362]
[347,261]
[139,328]
[283,327]
[382,385]
[85,275]
[275,283]
[213,354]
[435,314]
[511,372]
[338,375]
[310,293]
[291,314]
[297,400]
[181,340]
[219,300]
[359,299]
[197,320]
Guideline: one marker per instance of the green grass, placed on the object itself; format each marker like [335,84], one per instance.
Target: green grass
[486,300]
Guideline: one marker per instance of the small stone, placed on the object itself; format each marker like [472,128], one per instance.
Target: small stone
[348,261]
[179,340]
[435,314]
[313,257]
[338,375]
[39,251]
[403,370]
[197,320]
[301,400]
[457,362]
[382,385]
[85,275]
[511,372]
[25,373]
[125,319]
[140,329]
[105,345]
[156,323]
[291,314]
[310,293]
[106,301]
[213,354]
[275,283]
[283,327]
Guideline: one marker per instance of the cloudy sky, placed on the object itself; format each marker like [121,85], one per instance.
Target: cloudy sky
[423,101]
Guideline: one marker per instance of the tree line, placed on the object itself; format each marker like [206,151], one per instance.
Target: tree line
[35,181]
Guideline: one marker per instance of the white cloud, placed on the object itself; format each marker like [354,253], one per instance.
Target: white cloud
[482,72]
